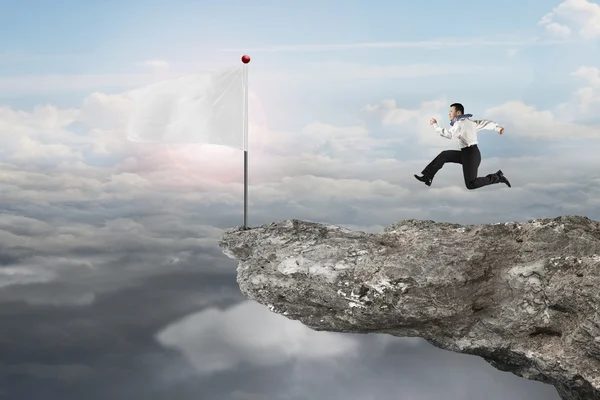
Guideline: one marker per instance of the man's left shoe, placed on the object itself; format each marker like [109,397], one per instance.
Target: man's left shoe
[423,179]
[502,178]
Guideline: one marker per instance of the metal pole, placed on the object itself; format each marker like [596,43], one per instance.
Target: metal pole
[246,145]
[245,189]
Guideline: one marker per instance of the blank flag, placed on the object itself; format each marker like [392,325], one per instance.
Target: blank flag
[207,108]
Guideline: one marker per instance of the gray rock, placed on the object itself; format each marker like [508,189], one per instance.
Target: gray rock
[523,296]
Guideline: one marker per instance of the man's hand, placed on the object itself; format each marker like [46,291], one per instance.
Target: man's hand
[432,121]
[501,131]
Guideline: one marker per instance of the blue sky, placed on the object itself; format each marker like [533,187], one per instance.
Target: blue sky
[342,93]
[76,38]
[112,36]
[81,28]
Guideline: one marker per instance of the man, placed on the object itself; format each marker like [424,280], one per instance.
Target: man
[468,156]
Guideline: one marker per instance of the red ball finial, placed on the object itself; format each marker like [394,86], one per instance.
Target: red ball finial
[245,59]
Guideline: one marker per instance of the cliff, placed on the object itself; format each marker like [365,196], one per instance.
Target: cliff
[523,296]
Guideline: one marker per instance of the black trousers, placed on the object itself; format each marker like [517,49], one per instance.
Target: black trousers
[469,158]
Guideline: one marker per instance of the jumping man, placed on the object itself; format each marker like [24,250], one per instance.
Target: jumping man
[468,156]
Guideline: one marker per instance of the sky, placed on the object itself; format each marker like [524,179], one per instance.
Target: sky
[112,284]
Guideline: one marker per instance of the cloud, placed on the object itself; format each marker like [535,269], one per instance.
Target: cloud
[586,99]
[414,122]
[523,120]
[215,340]
[39,121]
[105,111]
[157,64]
[343,70]
[23,275]
[357,174]
[43,84]
[529,123]
[581,16]
[64,373]
[242,395]
[391,114]
[590,74]
[104,347]
[556,29]
[73,212]
[431,44]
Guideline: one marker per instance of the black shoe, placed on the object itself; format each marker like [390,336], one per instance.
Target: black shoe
[423,179]
[503,178]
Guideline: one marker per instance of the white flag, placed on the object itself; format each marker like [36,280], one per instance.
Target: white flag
[205,108]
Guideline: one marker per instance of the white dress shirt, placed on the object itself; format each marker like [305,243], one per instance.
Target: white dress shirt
[465,130]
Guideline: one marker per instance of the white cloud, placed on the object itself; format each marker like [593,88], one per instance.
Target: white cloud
[44,153]
[519,118]
[428,44]
[391,114]
[581,16]
[343,70]
[23,275]
[589,74]
[348,139]
[217,340]
[106,111]
[527,122]
[324,189]
[413,122]
[558,30]
[586,99]
[338,163]
[43,84]
[156,64]
[39,121]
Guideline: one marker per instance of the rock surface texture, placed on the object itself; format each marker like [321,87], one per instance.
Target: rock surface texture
[523,296]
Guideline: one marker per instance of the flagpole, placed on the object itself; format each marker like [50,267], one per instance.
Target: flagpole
[245,60]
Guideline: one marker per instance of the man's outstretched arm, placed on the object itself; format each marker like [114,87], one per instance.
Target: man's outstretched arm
[482,124]
[447,133]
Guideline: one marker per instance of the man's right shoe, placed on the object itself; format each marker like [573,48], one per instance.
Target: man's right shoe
[423,179]
[503,178]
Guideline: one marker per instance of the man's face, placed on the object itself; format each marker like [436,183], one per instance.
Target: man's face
[453,113]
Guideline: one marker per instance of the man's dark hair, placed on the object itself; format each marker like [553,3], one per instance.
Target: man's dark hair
[458,107]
